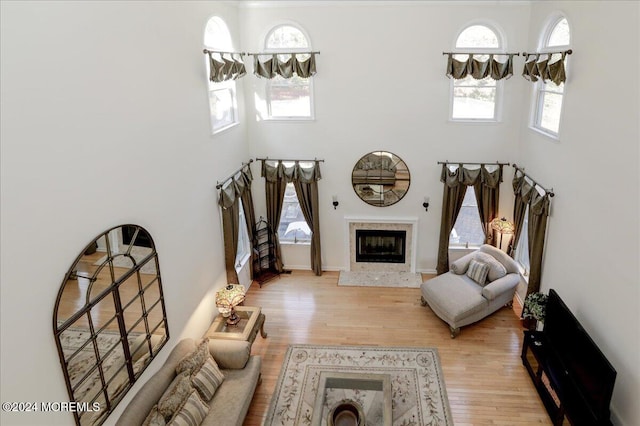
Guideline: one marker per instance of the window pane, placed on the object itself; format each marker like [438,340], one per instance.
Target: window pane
[222,108]
[293,227]
[522,251]
[217,35]
[477,36]
[290,98]
[286,37]
[243,237]
[474,102]
[467,230]
[550,113]
[560,35]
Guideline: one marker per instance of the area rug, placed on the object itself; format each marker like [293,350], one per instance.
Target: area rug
[419,396]
[380,279]
[138,253]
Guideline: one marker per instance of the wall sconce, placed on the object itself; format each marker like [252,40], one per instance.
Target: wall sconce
[425,204]
[335,202]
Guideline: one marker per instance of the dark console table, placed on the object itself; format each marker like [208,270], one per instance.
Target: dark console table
[558,390]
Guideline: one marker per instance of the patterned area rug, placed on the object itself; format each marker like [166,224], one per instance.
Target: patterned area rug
[419,396]
[380,279]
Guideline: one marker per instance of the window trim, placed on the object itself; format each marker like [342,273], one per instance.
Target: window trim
[267,86]
[500,50]
[228,85]
[539,87]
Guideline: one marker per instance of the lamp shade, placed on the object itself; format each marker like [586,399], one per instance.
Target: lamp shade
[230,296]
[502,225]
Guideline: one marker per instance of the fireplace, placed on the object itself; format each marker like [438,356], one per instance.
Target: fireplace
[378,245]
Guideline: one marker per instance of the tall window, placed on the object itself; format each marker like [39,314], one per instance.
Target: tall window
[289,98]
[549,96]
[467,231]
[293,227]
[222,96]
[244,245]
[473,99]
[522,249]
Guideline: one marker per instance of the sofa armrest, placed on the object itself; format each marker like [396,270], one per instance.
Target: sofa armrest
[230,354]
[500,286]
[460,266]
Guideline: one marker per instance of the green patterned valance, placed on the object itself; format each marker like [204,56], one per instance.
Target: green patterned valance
[545,66]
[291,171]
[302,64]
[224,66]
[479,69]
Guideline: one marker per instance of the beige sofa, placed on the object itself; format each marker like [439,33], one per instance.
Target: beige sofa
[230,402]
[458,300]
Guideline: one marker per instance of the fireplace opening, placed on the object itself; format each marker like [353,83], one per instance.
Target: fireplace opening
[376,245]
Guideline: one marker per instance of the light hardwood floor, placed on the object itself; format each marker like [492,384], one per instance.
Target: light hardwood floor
[484,376]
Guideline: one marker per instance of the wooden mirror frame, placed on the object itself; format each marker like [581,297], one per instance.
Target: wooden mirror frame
[380,178]
[109,320]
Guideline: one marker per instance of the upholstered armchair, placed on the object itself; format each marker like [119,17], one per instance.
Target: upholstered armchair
[477,285]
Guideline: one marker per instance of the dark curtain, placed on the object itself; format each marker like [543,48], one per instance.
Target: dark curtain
[526,194]
[538,214]
[230,224]
[487,189]
[225,66]
[305,180]
[308,198]
[232,192]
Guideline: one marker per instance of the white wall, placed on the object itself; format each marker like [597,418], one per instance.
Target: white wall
[592,249]
[104,122]
[381,86]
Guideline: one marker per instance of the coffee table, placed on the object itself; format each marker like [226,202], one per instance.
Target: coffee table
[251,321]
[353,381]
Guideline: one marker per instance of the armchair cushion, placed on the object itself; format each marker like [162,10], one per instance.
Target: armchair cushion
[478,271]
[496,269]
[230,354]
[500,286]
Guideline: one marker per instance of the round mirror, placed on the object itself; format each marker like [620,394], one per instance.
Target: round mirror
[380,178]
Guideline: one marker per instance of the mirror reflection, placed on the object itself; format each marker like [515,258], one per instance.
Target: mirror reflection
[109,319]
[380,178]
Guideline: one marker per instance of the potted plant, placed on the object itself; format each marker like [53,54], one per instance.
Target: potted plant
[534,310]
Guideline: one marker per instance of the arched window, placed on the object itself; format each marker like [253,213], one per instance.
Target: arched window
[548,96]
[222,96]
[471,99]
[288,98]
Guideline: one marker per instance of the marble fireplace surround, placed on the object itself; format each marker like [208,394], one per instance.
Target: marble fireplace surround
[408,224]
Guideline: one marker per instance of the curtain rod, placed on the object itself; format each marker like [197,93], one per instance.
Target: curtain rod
[281,160]
[521,170]
[284,53]
[220,185]
[497,163]
[568,52]
[481,53]
[205,51]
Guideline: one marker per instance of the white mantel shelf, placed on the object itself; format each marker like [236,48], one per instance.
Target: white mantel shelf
[410,222]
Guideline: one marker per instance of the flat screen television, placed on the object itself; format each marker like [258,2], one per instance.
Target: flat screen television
[584,372]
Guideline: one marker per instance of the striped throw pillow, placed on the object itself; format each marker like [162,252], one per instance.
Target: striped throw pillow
[191,413]
[478,271]
[207,379]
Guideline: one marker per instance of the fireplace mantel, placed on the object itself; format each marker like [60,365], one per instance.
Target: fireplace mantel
[410,224]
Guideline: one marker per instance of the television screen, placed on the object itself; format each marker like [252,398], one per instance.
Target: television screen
[581,359]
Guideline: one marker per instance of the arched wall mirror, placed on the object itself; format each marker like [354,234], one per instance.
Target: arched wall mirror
[109,320]
[380,178]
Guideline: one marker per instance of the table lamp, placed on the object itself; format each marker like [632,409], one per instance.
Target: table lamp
[503,226]
[227,299]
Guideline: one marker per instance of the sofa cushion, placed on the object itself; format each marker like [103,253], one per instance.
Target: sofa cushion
[496,269]
[478,271]
[191,413]
[154,418]
[207,379]
[175,395]
[195,359]
[453,296]
[230,353]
